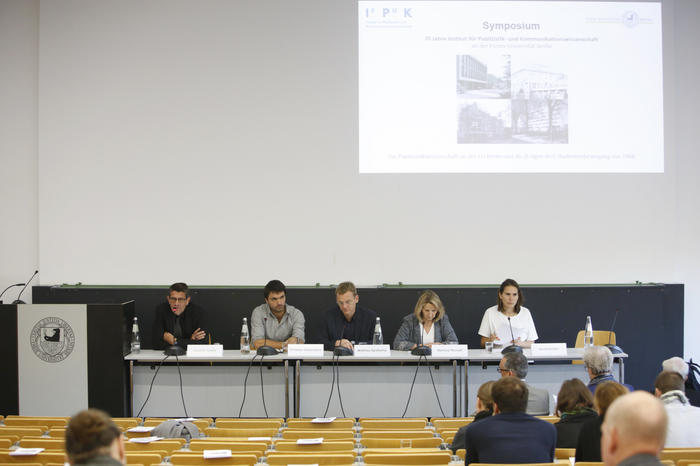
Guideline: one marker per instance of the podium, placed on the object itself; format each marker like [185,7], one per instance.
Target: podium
[61,358]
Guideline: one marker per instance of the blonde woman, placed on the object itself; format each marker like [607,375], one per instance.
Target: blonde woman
[428,325]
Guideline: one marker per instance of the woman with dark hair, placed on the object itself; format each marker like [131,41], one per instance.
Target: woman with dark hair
[508,315]
[93,439]
[574,407]
[428,325]
[588,445]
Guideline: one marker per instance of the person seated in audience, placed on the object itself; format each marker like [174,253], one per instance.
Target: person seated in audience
[588,445]
[683,419]
[276,323]
[508,314]
[676,364]
[574,407]
[598,361]
[484,409]
[347,323]
[510,435]
[428,325]
[515,365]
[178,321]
[92,439]
[634,431]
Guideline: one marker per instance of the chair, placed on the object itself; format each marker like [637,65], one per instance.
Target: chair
[6,443]
[393,424]
[21,431]
[57,432]
[198,445]
[461,453]
[289,434]
[166,445]
[448,435]
[600,338]
[433,442]
[451,423]
[521,464]
[241,433]
[306,424]
[43,442]
[336,446]
[686,463]
[201,423]
[550,419]
[564,453]
[676,454]
[399,451]
[229,423]
[21,421]
[422,458]
[284,458]
[126,422]
[43,457]
[133,457]
[219,442]
[188,458]
[12,438]
[405,434]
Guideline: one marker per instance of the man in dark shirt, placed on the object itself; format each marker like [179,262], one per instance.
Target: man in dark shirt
[510,435]
[177,321]
[347,323]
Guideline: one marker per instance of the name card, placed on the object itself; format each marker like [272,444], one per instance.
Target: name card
[450,351]
[372,351]
[145,439]
[548,349]
[205,351]
[26,451]
[305,351]
[211,454]
[310,441]
[259,439]
[322,420]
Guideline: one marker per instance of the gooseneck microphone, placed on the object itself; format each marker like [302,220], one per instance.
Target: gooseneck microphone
[422,350]
[512,348]
[614,349]
[265,350]
[11,286]
[341,350]
[19,301]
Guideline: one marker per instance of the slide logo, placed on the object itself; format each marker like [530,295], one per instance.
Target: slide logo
[388,15]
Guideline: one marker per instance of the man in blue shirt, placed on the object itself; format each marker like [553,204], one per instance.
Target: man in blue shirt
[510,435]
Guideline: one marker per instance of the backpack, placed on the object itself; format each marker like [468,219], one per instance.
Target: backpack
[692,385]
[174,428]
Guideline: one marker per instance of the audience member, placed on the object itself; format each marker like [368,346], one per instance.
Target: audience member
[178,321]
[588,446]
[276,323]
[598,361]
[93,439]
[484,409]
[634,431]
[683,419]
[574,407]
[510,435]
[515,365]
[676,364]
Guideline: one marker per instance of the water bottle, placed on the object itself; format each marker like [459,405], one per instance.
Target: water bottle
[245,337]
[588,333]
[378,339]
[135,337]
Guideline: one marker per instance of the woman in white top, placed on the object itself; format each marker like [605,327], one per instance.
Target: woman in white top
[508,315]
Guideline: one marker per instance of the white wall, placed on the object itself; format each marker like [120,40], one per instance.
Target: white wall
[216,143]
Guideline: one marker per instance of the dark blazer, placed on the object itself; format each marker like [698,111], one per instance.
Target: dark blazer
[409,332]
[510,438]
[191,319]
[588,445]
[569,427]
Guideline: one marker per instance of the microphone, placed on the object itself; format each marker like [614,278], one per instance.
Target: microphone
[341,350]
[11,286]
[421,350]
[614,349]
[175,350]
[512,348]
[265,350]
[19,301]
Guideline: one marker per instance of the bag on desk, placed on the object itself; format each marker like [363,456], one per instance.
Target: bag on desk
[692,385]
[174,428]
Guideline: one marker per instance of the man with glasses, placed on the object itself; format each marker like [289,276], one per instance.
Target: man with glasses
[515,365]
[178,322]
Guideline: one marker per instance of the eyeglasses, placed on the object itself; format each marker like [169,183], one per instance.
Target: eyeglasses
[176,300]
[502,370]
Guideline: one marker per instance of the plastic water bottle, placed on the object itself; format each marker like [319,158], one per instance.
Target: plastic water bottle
[245,337]
[378,339]
[588,333]
[135,337]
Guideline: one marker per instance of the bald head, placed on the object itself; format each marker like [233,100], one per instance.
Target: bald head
[634,423]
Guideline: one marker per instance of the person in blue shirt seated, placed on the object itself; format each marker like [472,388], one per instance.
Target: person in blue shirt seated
[428,324]
[510,435]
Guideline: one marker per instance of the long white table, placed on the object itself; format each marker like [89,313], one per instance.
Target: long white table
[369,386]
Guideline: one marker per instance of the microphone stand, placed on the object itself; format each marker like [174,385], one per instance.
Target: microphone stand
[19,301]
[11,286]
[513,348]
[614,349]
[265,349]
[422,350]
[175,350]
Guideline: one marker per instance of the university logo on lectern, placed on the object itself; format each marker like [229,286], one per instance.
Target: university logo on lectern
[52,339]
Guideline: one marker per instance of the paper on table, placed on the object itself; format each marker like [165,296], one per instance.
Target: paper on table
[310,441]
[141,429]
[211,454]
[503,333]
[322,420]
[187,419]
[145,439]
[259,439]
[26,451]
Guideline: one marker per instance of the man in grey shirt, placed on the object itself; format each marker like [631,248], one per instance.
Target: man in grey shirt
[283,324]
[515,364]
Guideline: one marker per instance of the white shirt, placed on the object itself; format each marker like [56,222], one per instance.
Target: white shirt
[683,423]
[495,322]
[430,336]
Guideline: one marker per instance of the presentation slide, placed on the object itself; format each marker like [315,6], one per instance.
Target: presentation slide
[510,87]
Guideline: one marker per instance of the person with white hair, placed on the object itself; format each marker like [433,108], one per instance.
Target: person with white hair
[598,361]
[634,431]
[676,364]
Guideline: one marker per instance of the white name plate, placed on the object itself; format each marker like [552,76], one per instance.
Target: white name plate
[548,349]
[310,441]
[205,351]
[450,351]
[211,454]
[305,351]
[372,351]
